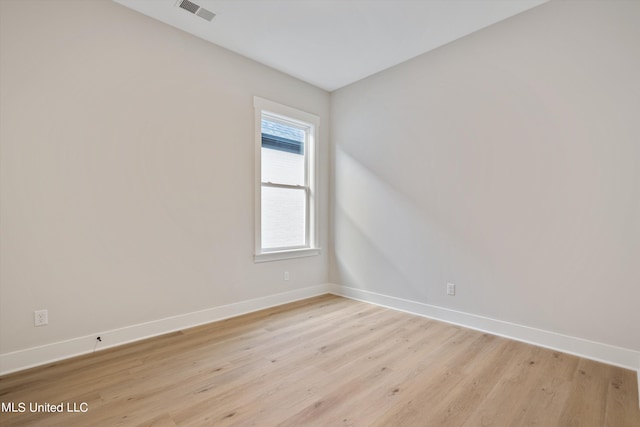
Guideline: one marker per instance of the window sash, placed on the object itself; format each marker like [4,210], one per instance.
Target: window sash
[307,206]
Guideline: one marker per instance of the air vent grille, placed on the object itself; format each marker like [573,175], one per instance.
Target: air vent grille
[187,5]
[196,10]
[206,14]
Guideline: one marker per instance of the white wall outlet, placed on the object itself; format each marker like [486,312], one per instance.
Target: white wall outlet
[40,317]
[451,289]
[286,275]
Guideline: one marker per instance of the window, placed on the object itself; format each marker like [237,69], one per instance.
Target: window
[285,187]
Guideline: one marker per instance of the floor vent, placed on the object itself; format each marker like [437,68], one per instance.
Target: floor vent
[196,10]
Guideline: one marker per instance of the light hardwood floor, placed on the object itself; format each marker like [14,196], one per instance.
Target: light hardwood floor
[327,361]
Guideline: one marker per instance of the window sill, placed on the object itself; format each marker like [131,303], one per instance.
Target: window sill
[280,255]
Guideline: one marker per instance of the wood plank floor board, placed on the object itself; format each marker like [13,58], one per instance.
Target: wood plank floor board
[589,385]
[378,392]
[618,393]
[301,392]
[505,402]
[547,397]
[313,390]
[435,380]
[327,361]
[480,376]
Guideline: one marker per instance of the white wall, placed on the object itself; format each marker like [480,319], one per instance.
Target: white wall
[127,172]
[508,163]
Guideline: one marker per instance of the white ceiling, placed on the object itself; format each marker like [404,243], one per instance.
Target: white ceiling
[332,43]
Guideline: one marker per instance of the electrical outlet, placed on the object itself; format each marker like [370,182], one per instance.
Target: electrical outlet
[40,318]
[286,275]
[451,289]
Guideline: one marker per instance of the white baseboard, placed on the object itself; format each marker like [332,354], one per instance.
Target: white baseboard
[36,356]
[600,352]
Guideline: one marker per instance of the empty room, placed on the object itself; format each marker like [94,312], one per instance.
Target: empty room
[319,213]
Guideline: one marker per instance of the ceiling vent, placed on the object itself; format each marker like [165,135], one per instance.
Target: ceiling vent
[196,10]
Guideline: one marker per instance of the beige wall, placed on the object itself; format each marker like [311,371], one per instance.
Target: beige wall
[508,163]
[127,172]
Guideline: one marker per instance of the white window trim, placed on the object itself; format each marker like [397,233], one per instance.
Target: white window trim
[287,113]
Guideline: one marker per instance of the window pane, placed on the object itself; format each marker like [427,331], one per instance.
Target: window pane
[283,217]
[281,167]
[283,159]
[291,136]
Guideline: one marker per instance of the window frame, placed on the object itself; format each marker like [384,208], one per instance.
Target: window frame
[302,119]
